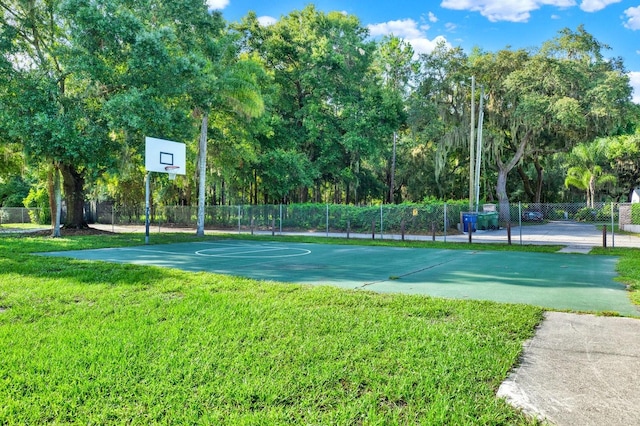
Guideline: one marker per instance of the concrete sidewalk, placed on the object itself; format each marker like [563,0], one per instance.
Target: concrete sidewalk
[579,370]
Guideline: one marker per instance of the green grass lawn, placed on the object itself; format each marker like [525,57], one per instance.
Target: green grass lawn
[14,227]
[97,343]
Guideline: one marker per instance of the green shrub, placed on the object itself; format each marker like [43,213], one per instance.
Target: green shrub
[586,214]
[13,192]
[635,214]
[40,199]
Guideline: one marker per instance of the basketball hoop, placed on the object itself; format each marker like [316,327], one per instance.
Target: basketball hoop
[172,170]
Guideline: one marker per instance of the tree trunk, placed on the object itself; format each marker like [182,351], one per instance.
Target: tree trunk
[526,182]
[503,172]
[501,192]
[58,192]
[73,183]
[539,182]
[202,168]
[591,191]
[55,199]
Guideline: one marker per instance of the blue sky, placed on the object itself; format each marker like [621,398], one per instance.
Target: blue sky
[489,24]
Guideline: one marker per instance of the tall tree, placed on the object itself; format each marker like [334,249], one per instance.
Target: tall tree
[439,121]
[53,114]
[396,68]
[623,154]
[327,103]
[566,89]
[87,73]
[587,169]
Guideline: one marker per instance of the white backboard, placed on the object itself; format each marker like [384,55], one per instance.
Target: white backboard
[163,156]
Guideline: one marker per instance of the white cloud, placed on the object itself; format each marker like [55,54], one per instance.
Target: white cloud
[408,30]
[596,5]
[634,77]
[405,28]
[424,45]
[266,21]
[633,18]
[506,10]
[555,17]
[432,17]
[217,4]
[451,27]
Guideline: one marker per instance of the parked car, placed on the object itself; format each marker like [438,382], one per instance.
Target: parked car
[532,216]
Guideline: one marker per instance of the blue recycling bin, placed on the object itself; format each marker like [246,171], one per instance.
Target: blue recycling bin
[469,220]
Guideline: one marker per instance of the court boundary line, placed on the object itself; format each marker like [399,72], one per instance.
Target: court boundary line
[243,255]
[406,274]
[237,255]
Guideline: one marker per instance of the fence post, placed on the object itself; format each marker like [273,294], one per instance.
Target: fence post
[239,213]
[604,236]
[613,231]
[446,224]
[509,232]
[402,229]
[113,218]
[433,231]
[348,227]
[373,229]
[280,219]
[381,225]
[520,219]
[327,219]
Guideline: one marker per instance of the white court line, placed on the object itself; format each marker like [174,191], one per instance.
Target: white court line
[246,254]
[257,254]
[149,251]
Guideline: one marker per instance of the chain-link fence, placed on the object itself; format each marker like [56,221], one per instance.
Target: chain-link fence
[434,220]
[327,218]
[21,215]
[440,218]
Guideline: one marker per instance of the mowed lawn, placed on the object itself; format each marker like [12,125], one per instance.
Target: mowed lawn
[96,343]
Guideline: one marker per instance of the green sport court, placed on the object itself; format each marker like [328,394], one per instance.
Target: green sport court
[556,281]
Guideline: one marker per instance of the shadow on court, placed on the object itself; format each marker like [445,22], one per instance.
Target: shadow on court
[555,281]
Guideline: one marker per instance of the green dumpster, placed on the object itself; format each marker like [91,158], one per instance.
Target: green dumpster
[488,220]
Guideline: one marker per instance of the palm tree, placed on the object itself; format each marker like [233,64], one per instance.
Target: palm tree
[587,172]
[234,89]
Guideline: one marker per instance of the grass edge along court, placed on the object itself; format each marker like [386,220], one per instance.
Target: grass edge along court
[91,342]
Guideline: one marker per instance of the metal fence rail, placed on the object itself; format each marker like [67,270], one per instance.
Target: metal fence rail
[21,215]
[440,220]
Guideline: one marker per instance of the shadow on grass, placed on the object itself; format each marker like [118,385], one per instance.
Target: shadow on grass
[84,272]
[17,257]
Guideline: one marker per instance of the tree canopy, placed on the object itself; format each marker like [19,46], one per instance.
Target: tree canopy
[310,108]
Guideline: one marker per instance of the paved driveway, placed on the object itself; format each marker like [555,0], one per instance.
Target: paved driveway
[576,235]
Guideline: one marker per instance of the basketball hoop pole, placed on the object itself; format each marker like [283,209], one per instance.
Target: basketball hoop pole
[161,156]
[146,208]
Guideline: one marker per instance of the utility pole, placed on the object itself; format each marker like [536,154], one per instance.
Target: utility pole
[393,169]
[479,148]
[472,137]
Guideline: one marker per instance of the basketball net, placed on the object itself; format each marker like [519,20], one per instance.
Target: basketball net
[172,171]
